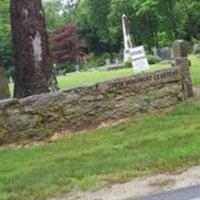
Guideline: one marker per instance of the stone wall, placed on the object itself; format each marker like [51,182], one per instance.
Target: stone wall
[40,116]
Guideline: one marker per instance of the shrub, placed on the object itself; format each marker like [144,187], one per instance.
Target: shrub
[97,61]
[10,72]
[66,67]
[128,63]
[164,39]
[152,59]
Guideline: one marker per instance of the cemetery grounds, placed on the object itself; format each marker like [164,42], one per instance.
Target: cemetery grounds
[113,153]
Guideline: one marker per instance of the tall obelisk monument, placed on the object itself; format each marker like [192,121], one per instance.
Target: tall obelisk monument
[127,38]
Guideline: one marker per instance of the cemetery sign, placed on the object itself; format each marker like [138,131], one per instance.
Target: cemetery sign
[139,59]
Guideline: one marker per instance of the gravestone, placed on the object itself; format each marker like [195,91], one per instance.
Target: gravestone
[117,61]
[163,53]
[196,48]
[77,68]
[108,61]
[180,59]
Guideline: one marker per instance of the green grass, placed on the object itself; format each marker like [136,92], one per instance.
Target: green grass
[195,70]
[73,80]
[85,78]
[143,146]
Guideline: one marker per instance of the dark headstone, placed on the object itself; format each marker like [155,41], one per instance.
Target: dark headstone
[163,53]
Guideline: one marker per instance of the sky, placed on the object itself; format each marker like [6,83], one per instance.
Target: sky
[63,1]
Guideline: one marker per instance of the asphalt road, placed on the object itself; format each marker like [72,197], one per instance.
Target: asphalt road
[191,193]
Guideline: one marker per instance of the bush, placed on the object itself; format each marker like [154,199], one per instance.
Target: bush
[66,67]
[10,72]
[97,61]
[100,60]
[152,59]
[119,56]
[105,56]
[164,39]
[128,63]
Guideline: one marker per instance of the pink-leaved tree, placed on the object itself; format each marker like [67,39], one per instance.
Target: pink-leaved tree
[66,44]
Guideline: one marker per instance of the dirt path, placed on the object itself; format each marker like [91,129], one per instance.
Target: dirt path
[141,187]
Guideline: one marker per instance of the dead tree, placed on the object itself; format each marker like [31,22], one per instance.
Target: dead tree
[31,48]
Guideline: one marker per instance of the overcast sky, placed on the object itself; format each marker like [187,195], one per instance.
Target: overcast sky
[63,1]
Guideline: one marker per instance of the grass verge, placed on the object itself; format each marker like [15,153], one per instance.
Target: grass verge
[148,145]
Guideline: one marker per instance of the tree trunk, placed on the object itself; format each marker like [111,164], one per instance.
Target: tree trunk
[32,56]
[4,90]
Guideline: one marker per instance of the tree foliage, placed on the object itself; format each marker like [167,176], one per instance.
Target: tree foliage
[152,22]
[5,37]
[66,45]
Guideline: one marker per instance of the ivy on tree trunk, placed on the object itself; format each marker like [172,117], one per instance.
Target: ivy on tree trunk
[31,50]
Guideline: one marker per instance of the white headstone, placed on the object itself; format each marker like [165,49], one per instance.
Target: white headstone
[77,68]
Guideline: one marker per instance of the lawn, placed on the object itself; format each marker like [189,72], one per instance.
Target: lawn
[73,80]
[166,142]
[144,146]
[84,78]
[195,70]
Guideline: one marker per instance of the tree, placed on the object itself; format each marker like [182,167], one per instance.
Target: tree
[5,38]
[54,17]
[31,51]
[4,90]
[93,17]
[147,17]
[191,16]
[59,12]
[66,45]
[143,20]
